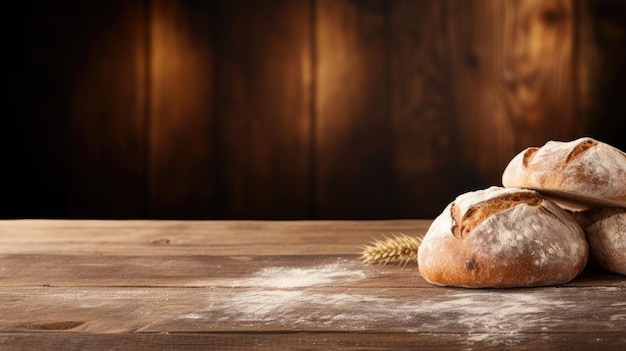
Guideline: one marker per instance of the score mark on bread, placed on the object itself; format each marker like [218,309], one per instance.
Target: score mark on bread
[475,215]
[502,237]
[521,235]
[577,175]
[528,155]
[579,149]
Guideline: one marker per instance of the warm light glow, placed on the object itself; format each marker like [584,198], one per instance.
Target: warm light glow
[180,93]
[180,66]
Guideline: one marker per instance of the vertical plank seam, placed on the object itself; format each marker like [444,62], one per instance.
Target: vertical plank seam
[313,110]
[146,174]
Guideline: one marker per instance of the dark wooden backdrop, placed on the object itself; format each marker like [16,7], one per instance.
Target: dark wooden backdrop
[289,109]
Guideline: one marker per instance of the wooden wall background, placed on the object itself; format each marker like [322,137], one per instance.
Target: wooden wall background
[293,109]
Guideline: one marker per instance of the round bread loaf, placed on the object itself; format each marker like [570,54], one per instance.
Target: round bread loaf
[577,175]
[502,237]
[605,229]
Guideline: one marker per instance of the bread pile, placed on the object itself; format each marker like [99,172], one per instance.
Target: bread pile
[560,204]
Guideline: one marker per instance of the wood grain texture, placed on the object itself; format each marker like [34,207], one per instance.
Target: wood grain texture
[164,238]
[291,284]
[192,269]
[353,172]
[600,59]
[312,309]
[106,129]
[423,135]
[263,77]
[513,73]
[316,341]
[181,171]
[302,109]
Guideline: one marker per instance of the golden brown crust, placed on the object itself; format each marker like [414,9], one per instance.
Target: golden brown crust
[481,211]
[502,238]
[605,229]
[578,174]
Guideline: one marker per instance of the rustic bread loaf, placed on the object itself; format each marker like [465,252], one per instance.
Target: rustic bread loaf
[605,229]
[578,175]
[502,237]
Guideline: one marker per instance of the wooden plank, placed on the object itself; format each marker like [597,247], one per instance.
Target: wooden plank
[204,271]
[310,341]
[304,341]
[495,313]
[107,140]
[353,168]
[222,271]
[128,295]
[263,72]
[203,254]
[198,271]
[243,238]
[182,170]
[600,57]
[423,135]
[100,253]
[512,69]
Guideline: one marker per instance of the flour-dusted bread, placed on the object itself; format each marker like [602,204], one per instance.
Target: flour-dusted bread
[606,233]
[578,175]
[502,237]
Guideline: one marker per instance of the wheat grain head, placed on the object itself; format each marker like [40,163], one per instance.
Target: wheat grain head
[398,248]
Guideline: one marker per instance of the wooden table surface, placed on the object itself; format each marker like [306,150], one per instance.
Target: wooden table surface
[270,285]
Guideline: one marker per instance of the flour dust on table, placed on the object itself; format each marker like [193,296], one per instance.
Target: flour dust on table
[298,277]
[275,297]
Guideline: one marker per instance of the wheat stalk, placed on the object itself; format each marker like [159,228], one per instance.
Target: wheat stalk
[398,248]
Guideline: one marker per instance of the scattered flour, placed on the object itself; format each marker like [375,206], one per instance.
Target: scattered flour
[506,313]
[285,278]
[279,297]
[331,297]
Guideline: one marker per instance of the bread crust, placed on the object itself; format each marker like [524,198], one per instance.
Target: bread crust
[605,229]
[577,175]
[501,237]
